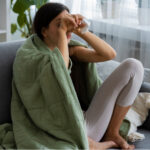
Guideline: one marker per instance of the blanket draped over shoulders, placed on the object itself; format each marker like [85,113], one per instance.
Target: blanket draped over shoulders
[45,109]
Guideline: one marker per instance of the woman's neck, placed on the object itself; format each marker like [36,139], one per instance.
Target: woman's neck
[49,44]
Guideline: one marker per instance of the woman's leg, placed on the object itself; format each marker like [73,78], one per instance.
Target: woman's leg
[112,132]
[113,99]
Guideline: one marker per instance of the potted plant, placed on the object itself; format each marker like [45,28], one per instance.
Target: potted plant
[143,8]
[24,8]
[110,8]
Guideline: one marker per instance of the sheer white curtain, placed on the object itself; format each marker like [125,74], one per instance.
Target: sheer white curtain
[124,24]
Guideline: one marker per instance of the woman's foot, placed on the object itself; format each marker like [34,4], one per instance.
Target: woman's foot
[93,145]
[121,142]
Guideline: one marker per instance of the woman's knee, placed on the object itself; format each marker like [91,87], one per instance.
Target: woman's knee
[135,66]
[136,70]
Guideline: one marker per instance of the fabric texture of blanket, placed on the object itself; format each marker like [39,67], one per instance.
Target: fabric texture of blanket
[45,110]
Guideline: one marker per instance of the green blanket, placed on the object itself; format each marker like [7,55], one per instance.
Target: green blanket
[45,109]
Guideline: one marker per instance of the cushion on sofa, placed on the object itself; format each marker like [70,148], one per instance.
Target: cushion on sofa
[107,67]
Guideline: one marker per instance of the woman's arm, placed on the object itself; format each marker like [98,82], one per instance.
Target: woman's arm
[67,23]
[101,50]
[62,44]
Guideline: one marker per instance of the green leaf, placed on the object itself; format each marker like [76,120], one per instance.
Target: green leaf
[45,1]
[11,2]
[22,20]
[13,28]
[39,3]
[21,6]
[23,34]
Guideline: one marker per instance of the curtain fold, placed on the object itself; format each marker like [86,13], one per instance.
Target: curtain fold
[124,24]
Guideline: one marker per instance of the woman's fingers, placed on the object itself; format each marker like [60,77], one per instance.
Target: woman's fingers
[73,22]
[71,19]
[68,23]
[78,18]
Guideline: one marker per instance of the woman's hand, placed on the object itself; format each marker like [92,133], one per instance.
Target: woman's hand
[72,23]
[78,19]
[68,23]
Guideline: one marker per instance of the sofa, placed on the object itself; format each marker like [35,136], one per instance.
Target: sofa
[7,55]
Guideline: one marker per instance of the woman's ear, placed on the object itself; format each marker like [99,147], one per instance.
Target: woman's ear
[44,32]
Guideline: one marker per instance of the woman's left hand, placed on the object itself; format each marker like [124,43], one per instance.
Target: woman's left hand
[78,19]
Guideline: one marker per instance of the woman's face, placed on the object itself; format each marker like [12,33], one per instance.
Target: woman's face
[52,31]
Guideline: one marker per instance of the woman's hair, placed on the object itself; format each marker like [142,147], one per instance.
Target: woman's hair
[45,15]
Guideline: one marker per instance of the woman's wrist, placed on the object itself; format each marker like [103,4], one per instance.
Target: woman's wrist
[82,35]
[62,35]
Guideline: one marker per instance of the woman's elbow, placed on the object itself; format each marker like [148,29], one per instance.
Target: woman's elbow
[112,55]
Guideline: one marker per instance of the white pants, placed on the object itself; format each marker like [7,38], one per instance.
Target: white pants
[121,88]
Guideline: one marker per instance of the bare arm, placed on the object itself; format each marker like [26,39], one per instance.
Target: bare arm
[101,50]
[86,55]
[62,44]
[67,24]
[100,46]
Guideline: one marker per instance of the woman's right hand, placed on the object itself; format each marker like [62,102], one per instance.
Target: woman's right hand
[68,23]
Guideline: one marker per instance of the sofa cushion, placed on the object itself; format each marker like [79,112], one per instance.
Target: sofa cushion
[7,55]
[107,67]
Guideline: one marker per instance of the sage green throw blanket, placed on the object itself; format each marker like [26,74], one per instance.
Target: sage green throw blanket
[46,112]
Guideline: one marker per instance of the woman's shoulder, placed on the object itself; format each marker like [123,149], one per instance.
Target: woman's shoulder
[29,55]
[31,48]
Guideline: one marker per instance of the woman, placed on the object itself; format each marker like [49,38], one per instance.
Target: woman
[116,95]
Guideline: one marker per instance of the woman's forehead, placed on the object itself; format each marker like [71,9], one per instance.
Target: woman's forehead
[61,15]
